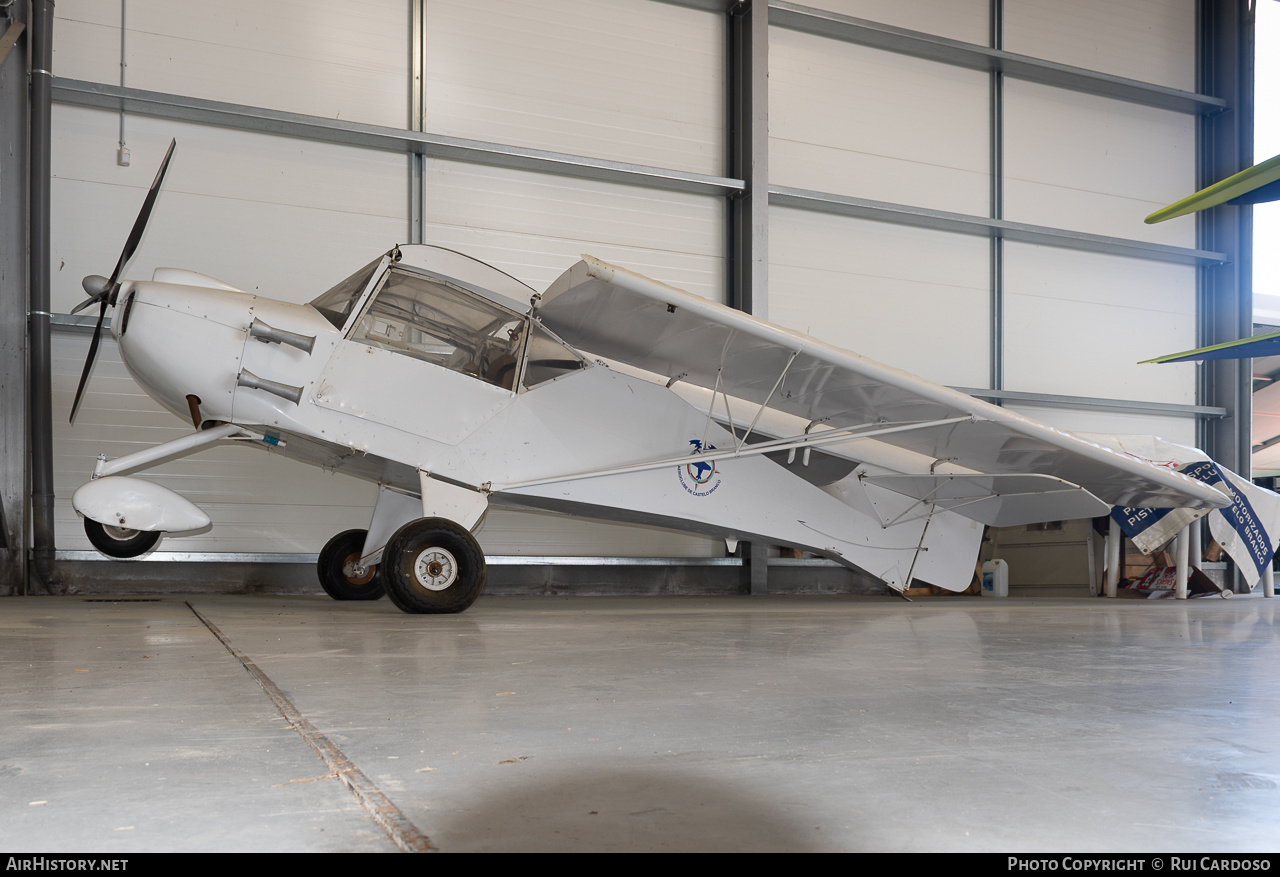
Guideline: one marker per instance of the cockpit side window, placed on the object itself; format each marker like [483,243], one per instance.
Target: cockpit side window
[436,322]
[336,304]
[548,358]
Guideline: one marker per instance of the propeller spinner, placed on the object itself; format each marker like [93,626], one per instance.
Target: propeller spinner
[104,290]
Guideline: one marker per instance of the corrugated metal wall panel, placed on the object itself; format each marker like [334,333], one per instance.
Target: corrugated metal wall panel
[958,19]
[858,121]
[1080,323]
[321,57]
[86,40]
[617,79]
[912,298]
[284,217]
[1092,164]
[1149,40]
[534,226]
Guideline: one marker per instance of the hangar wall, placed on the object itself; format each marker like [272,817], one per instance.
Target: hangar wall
[890,163]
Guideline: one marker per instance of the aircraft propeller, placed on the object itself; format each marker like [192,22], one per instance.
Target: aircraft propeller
[104,290]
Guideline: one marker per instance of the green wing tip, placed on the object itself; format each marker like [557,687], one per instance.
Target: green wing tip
[1222,191]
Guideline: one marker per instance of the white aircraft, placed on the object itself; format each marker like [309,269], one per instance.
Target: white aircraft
[454,386]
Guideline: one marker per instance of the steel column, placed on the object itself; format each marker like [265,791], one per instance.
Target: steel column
[40,375]
[1225,69]
[1226,297]
[996,171]
[14,496]
[417,118]
[747,60]
[748,159]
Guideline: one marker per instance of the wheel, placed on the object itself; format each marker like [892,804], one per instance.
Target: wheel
[433,565]
[120,541]
[338,574]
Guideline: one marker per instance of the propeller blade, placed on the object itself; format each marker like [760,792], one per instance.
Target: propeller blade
[1243,348]
[140,224]
[93,299]
[103,290]
[1221,192]
[88,360]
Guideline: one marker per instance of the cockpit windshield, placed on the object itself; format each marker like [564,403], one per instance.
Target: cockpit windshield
[434,321]
[336,304]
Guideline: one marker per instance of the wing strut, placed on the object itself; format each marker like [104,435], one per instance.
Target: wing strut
[976,489]
[919,547]
[719,389]
[711,410]
[805,441]
[769,398]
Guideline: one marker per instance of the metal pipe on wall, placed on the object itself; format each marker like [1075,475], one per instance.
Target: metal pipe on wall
[41,387]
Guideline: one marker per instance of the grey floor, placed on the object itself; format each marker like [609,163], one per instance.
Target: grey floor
[767,723]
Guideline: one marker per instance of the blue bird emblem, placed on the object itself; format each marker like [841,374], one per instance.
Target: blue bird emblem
[700,471]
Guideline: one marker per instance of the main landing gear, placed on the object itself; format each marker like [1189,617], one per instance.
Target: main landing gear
[339,575]
[430,565]
[433,565]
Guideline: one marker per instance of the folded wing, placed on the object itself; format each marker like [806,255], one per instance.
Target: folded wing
[614,313]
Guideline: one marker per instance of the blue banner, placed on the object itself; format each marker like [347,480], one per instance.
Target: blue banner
[1240,516]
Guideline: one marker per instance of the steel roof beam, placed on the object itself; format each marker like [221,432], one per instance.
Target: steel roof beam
[846,28]
[963,223]
[246,118]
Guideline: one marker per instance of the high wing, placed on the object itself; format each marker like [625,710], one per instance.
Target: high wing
[618,314]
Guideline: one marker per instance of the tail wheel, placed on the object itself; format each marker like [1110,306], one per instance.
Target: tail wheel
[120,542]
[339,573]
[433,565]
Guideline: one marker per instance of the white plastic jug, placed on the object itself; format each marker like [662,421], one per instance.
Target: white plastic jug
[995,579]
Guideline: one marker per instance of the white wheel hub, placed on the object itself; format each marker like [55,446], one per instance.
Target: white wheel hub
[120,534]
[436,569]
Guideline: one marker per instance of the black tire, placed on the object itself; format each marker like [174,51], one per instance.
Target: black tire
[433,565]
[120,541]
[339,584]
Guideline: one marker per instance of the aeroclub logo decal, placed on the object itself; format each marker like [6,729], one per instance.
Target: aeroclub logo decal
[700,478]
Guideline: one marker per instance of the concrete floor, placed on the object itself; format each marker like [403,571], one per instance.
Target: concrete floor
[722,723]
